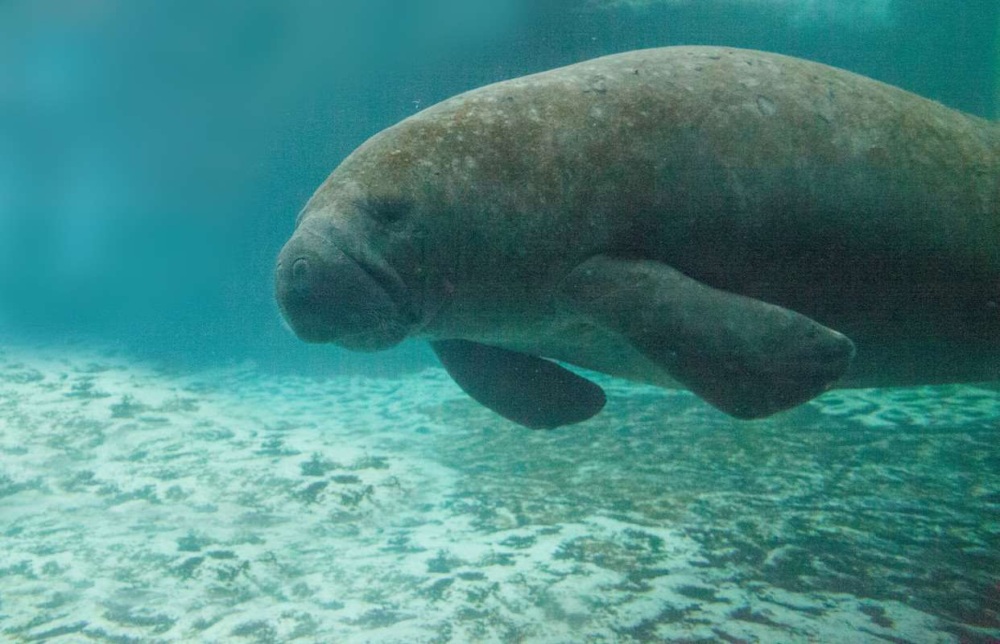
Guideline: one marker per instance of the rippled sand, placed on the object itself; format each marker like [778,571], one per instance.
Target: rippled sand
[137,505]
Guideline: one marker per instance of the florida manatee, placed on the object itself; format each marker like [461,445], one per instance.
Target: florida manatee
[754,227]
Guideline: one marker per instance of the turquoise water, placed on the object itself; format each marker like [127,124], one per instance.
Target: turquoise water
[176,466]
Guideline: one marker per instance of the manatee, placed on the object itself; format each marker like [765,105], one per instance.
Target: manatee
[753,227]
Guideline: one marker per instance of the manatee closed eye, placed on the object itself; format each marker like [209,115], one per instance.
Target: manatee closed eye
[753,227]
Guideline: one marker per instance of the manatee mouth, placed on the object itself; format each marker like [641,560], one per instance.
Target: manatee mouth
[328,295]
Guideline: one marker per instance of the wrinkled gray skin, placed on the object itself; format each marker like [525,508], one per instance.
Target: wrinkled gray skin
[566,214]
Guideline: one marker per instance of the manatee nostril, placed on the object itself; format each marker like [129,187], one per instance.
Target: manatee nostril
[300,274]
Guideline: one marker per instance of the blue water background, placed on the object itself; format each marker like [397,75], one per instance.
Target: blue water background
[153,156]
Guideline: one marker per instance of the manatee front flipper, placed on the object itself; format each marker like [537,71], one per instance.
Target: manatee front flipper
[528,390]
[748,358]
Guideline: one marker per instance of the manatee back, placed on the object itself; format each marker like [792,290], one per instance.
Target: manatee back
[651,150]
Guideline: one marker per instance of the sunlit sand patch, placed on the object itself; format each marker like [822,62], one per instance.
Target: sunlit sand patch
[949,406]
[236,506]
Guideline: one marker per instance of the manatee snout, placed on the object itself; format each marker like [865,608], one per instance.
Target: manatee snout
[326,295]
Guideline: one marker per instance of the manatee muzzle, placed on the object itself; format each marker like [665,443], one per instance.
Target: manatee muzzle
[328,295]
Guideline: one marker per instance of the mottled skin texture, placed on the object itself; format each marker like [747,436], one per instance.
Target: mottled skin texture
[863,207]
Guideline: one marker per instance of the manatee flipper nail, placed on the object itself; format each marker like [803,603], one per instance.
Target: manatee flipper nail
[746,357]
[528,390]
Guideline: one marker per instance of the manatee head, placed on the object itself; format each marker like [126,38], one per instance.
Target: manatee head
[337,278]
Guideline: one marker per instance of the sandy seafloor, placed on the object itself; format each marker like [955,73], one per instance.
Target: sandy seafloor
[232,506]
